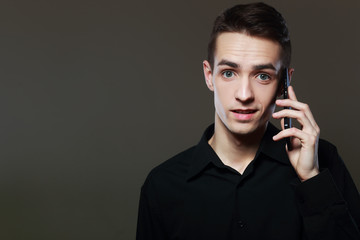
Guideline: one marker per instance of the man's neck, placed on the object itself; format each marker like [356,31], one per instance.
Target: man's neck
[235,150]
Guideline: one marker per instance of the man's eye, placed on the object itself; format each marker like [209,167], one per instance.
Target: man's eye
[228,74]
[263,77]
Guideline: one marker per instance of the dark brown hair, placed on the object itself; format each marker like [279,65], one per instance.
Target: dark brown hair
[255,19]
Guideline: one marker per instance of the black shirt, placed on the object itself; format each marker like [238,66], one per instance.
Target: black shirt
[194,195]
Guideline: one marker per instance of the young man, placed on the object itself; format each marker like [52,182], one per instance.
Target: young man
[242,181]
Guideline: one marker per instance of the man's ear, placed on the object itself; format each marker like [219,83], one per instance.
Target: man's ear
[281,84]
[291,71]
[208,74]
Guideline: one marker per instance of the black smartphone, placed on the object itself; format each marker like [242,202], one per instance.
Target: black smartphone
[287,121]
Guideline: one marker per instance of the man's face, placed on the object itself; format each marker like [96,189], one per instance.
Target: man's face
[244,81]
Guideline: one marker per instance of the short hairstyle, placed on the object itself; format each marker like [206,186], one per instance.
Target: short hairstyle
[257,20]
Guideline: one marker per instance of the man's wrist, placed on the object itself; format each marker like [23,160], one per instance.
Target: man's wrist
[311,174]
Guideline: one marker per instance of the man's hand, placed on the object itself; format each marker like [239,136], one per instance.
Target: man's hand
[304,153]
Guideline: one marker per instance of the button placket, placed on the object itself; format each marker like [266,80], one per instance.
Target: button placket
[241,223]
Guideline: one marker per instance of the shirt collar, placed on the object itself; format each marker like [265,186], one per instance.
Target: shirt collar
[204,154]
[274,149]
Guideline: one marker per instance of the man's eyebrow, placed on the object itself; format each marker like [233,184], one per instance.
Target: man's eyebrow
[264,66]
[256,67]
[228,63]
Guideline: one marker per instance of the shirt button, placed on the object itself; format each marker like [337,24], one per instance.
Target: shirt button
[241,224]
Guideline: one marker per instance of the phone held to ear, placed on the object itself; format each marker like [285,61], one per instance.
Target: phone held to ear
[287,121]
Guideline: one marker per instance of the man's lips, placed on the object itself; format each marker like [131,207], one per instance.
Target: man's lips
[244,114]
[244,111]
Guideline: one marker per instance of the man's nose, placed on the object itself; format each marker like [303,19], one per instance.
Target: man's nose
[244,91]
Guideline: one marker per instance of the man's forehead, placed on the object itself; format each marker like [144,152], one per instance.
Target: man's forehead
[245,38]
[240,48]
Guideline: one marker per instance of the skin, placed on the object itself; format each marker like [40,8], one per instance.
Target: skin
[245,84]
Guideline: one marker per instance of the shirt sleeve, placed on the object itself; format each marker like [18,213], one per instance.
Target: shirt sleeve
[149,224]
[329,202]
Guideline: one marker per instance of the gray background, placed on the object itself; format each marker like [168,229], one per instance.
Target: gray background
[94,94]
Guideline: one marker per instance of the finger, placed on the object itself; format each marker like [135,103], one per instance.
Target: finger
[305,107]
[295,133]
[292,94]
[296,105]
[299,116]
[290,103]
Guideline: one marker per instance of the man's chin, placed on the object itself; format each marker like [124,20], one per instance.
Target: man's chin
[247,129]
[243,131]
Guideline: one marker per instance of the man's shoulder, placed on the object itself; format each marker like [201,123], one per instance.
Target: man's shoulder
[175,167]
[178,161]
[328,155]
[326,147]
